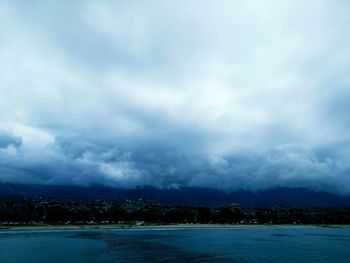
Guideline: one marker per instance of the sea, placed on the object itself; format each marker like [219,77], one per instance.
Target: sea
[217,244]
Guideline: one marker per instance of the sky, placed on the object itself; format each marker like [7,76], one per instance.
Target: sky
[224,94]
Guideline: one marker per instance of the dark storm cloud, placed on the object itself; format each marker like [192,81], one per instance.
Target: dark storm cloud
[230,95]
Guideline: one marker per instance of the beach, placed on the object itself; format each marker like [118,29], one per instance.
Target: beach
[157,226]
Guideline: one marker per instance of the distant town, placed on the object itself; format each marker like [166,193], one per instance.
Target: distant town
[39,210]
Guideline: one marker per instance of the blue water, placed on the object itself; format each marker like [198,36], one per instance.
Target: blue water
[274,244]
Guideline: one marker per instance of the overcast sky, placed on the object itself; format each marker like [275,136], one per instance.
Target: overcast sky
[225,94]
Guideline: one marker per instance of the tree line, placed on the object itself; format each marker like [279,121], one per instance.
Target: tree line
[25,211]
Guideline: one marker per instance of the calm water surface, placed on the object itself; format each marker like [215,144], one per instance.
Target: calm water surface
[274,244]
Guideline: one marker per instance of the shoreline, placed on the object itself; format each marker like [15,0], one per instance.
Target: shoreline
[4,229]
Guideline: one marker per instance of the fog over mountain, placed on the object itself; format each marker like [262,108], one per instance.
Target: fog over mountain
[228,95]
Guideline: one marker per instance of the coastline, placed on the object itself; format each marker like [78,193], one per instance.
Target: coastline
[4,229]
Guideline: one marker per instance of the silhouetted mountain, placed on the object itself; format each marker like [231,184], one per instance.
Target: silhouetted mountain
[186,195]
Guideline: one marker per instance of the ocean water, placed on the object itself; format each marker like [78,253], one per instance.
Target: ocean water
[265,244]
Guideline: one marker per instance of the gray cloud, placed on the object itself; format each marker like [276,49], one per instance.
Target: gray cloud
[8,139]
[229,95]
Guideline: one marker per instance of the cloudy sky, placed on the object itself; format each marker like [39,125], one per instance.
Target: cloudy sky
[225,94]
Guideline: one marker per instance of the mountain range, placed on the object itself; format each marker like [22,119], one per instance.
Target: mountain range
[189,196]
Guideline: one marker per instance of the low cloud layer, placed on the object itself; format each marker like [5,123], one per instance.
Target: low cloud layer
[243,94]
